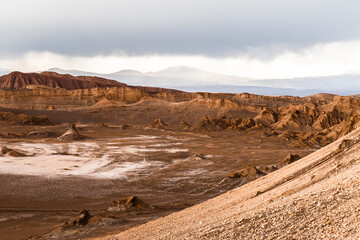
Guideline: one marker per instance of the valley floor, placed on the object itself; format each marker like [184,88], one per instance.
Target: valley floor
[317,197]
[169,170]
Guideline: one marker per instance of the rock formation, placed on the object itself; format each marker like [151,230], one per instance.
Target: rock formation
[249,173]
[82,220]
[10,152]
[129,204]
[72,134]
[158,123]
[289,159]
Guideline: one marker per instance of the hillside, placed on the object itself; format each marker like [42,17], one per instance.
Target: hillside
[316,197]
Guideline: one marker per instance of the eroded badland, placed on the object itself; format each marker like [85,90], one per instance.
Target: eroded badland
[87,157]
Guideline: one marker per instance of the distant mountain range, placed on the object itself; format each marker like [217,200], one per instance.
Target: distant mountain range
[196,80]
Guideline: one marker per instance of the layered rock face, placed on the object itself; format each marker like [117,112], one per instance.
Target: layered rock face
[18,80]
[49,90]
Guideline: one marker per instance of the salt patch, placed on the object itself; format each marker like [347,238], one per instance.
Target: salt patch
[86,159]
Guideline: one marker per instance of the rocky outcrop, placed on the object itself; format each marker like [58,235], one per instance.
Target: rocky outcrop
[208,124]
[248,173]
[246,123]
[129,204]
[266,117]
[289,159]
[82,220]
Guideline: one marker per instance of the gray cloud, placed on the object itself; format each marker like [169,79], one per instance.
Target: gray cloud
[137,27]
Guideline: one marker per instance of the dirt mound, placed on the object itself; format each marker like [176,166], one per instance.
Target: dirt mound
[72,134]
[129,204]
[248,173]
[23,119]
[158,123]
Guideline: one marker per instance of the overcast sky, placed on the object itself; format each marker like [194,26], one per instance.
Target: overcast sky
[252,38]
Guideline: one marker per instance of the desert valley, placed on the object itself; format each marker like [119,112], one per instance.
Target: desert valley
[87,157]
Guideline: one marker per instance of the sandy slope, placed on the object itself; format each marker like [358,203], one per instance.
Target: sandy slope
[317,197]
